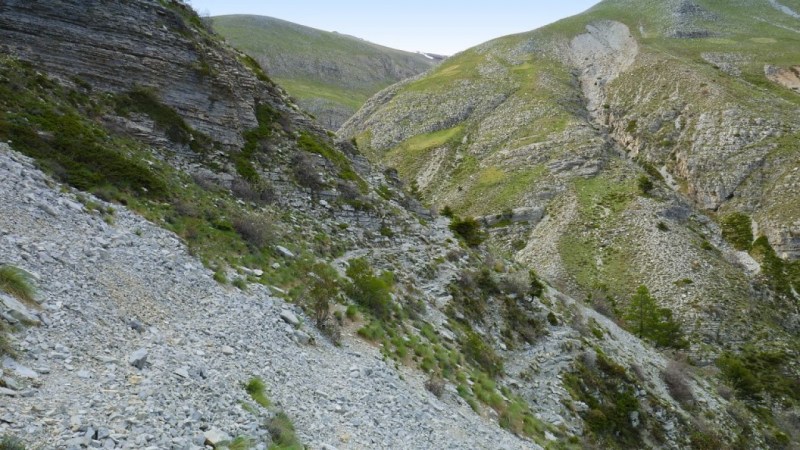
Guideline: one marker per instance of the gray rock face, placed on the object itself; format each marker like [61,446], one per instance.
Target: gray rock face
[117,46]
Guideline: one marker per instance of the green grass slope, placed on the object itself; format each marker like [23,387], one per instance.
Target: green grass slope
[330,74]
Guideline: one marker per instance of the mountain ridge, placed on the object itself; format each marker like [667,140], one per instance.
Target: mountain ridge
[330,73]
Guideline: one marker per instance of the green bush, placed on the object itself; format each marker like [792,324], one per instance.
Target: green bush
[482,354]
[370,291]
[754,372]
[608,390]
[536,286]
[265,116]
[11,443]
[17,283]
[256,388]
[645,184]
[773,268]
[322,288]
[313,144]
[738,230]
[283,435]
[240,283]
[469,230]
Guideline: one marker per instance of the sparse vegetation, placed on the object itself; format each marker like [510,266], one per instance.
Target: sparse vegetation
[283,435]
[608,390]
[737,229]
[370,291]
[146,101]
[17,283]
[8,442]
[755,373]
[674,376]
[257,390]
[645,184]
[469,230]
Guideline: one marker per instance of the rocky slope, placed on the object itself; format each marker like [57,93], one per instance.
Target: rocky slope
[615,149]
[330,74]
[191,261]
[567,118]
[132,286]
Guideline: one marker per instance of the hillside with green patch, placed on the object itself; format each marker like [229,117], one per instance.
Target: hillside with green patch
[635,129]
[330,74]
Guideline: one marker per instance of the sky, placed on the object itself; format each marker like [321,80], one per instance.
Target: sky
[435,26]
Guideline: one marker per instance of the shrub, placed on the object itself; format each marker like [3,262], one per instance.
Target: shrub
[435,385]
[16,282]
[677,384]
[240,283]
[482,354]
[282,432]
[645,184]
[447,211]
[259,192]
[305,172]
[323,287]
[469,230]
[11,443]
[219,277]
[738,230]
[255,387]
[368,290]
[536,286]
[255,230]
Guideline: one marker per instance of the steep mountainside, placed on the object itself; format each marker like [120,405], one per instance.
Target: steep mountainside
[567,118]
[630,145]
[330,74]
[188,260]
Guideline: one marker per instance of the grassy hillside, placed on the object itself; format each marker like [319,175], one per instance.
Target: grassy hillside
[330,74]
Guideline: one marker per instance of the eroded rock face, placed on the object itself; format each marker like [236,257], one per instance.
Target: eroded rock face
[786,77]
[601,54]
[116,46]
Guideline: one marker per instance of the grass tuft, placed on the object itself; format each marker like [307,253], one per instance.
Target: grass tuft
[17,282]
[282,431]
[255,387]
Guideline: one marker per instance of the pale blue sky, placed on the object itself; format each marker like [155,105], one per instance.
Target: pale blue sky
[436,26]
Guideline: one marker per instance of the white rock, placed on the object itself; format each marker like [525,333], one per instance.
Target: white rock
[285,252]
[290,318]
[214,436]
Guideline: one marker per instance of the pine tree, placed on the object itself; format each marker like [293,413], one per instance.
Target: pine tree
[649,321]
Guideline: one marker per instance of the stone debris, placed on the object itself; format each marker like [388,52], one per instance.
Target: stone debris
[110,381]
